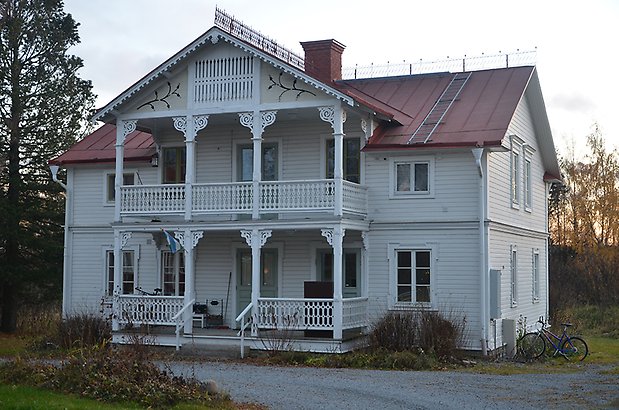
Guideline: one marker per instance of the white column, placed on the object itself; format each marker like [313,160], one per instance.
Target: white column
[257,121]
[189,240]
[123,128]
[120,240]
[336,116]
[335,238]
[256,240]
[190,126]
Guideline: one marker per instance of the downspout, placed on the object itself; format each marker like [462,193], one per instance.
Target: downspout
[68,213]
[478,153]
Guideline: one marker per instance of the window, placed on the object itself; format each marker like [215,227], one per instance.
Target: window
[515,178]
[245,162]
[413,276]
[173,273]
[412,177]
[128,272]
[514,276]
[174,165]
[535,275]
[352,159]
[128,179]
[527,184]
[351,269]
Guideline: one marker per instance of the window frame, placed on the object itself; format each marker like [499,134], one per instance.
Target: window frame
[238,144]
[513,275]
[412,161]
[178,257]
[109,271]
[179,166]
[393,250]
[109,184]
[324,154]
[527,173]
[535,268]
[515,170]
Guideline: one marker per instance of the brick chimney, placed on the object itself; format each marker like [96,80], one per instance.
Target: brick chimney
[323,59]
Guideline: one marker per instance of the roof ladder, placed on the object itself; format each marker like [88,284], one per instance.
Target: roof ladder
[423,133]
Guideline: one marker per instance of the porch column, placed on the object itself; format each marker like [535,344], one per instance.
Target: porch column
[123,128]
[336,116]
[190,126]
[257,121]
[255,239]
[335,238]
[120,240]
[189,240]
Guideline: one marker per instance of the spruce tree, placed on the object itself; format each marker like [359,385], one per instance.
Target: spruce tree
[44,105]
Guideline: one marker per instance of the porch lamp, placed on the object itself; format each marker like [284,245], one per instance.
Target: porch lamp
[54,170]
[154,160]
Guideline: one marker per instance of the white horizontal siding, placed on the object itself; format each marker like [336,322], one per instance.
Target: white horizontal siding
[455,190]
[499,197]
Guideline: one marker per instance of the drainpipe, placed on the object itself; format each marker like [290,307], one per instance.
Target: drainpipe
[478,153]
[68,214]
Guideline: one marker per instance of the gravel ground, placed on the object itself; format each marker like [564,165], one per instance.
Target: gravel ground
[310,388]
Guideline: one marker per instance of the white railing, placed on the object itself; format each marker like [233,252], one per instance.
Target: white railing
[149,199]
[355,198]
[245,323]
[300,314]
[355,313]
[237,198]
[222,198]
[180,318]
[297,195]
[148,310]
[224,79]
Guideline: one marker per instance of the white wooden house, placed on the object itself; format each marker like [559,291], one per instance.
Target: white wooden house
[411,192]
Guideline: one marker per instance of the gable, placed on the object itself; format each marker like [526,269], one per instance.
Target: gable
[214,71]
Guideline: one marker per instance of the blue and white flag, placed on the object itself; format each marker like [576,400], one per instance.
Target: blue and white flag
[173,243]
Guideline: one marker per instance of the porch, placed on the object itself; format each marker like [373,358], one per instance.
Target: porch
[278,322]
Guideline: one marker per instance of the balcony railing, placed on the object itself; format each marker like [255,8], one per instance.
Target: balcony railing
[148,310]
[238,198]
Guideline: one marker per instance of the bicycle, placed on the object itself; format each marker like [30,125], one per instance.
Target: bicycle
[532,345]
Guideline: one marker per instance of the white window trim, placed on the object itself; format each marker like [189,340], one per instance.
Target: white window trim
[515,181]
[392,248]
[136,261]
[528,151]
[535,277]
[160,157]
[323,156]
[160,269]
[247,141]
[106,175]
[393,162]
[513,275]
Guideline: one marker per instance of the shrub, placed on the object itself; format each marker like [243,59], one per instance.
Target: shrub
[431,331]
[82,330]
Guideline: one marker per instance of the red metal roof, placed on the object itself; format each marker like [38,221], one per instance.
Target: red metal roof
[100,147]
[479,116]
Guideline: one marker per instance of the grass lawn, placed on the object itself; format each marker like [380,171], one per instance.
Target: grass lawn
[12,345]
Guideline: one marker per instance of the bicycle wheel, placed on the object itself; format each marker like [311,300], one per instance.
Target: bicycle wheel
[575,348]
[532,346]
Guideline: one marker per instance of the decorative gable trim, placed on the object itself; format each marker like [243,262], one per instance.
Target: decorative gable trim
[214,35]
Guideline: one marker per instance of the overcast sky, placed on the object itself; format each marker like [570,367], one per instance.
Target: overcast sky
[577,52]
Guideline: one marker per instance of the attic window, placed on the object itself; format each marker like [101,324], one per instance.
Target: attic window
[224,79]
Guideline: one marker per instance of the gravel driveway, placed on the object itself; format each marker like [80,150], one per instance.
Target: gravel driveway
[310,388]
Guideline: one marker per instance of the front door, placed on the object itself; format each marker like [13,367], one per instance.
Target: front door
[268,276]
[245,167]
[351,270]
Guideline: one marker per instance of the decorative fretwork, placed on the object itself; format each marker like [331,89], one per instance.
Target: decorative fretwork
[128,127]
[365,237]
[180,236]
[180,124]
[292,88]
[200,122]
[163,99]
[299,314]
[327,114]
[224,79]
[264,235]
[195,237]
[247,119]
[328,234]
[267,118]
[124,238]
[247,235]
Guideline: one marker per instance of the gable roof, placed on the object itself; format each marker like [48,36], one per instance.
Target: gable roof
[479,116]
[100,147]
[213,35]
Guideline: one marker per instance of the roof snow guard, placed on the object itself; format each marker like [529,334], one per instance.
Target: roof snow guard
[243,32]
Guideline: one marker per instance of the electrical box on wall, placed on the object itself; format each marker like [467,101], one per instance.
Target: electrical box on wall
[495,294]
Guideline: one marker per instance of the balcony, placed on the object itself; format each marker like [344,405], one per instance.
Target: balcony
[238,198]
